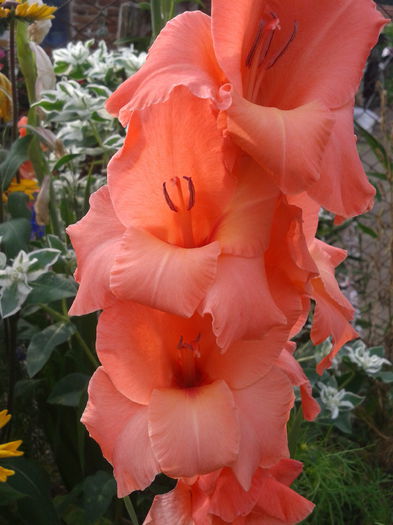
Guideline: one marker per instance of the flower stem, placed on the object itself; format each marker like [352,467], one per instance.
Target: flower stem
[156,17]
[294,431]
[12,65]
[131,510]
[77,335]
[10,330]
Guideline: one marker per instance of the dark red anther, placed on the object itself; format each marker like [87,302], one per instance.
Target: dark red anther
[284,49]
[181,344]
[167,198]
[191,190]
[250,56]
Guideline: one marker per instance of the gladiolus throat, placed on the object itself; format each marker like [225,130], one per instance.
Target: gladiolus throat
[182,206]
[188,353]
[259,58]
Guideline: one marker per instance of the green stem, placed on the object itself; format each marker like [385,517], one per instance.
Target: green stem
[10,329]
[294,431]
[347,381]
[77,335]
[14,92]
[156,17]
[87,350]
[131,510]
[306,358]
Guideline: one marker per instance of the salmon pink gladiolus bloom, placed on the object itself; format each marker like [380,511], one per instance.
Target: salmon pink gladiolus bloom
[167,400]
[333,312]
[175,230]
[285,74]
[218,499]
[299,268]
[294,371]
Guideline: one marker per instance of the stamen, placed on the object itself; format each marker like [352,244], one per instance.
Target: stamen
[188,353]
[168,199]
[181,344]
[177,201]
[284,49]
[250,56]
[191,191]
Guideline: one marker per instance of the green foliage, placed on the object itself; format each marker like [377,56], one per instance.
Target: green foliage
[15,157]
[346,487]
[44,343]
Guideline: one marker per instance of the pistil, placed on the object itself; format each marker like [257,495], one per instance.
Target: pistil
[188,353]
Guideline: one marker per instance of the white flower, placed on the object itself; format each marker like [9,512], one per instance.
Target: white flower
[362,357]
[17,274]
[15,278]
[333,399]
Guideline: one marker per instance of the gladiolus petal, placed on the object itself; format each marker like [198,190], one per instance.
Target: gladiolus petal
[194,431]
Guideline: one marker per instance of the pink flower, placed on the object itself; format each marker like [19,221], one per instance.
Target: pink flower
[176,229]
[300,267]
[218,499]
[167,400]
[285,75]
[333,312]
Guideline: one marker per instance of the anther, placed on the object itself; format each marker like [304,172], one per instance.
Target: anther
[250,56]
[168,199]
[191,191]
[181,344]
[284,49]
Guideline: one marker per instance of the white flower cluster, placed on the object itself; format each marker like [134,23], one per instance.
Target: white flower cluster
[335,400]
[363,357]
[78,59]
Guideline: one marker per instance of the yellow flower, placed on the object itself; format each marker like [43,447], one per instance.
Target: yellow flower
[28,12]
[28,186]
[34,12]
[8,450]
[4,473]
[5,98]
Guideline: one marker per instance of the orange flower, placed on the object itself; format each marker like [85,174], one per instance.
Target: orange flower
[167,400]
[285,75]
[177,231]
[218,499]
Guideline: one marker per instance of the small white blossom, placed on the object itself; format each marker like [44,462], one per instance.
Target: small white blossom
[15,278]
[333,399]
[362,357]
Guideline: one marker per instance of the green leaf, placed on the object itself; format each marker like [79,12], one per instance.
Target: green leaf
[377,175]
[98,492]
[56,243]
[17,154]
[17,205]
[15,235]
[42,345]
[367,230]
[11,300]
[65,160]
[25,388]
[377,350]
[343,422]
[44,258]
[31,480]
[376,146]
[51,287]
[69,390]
[386,377]
[8,494]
